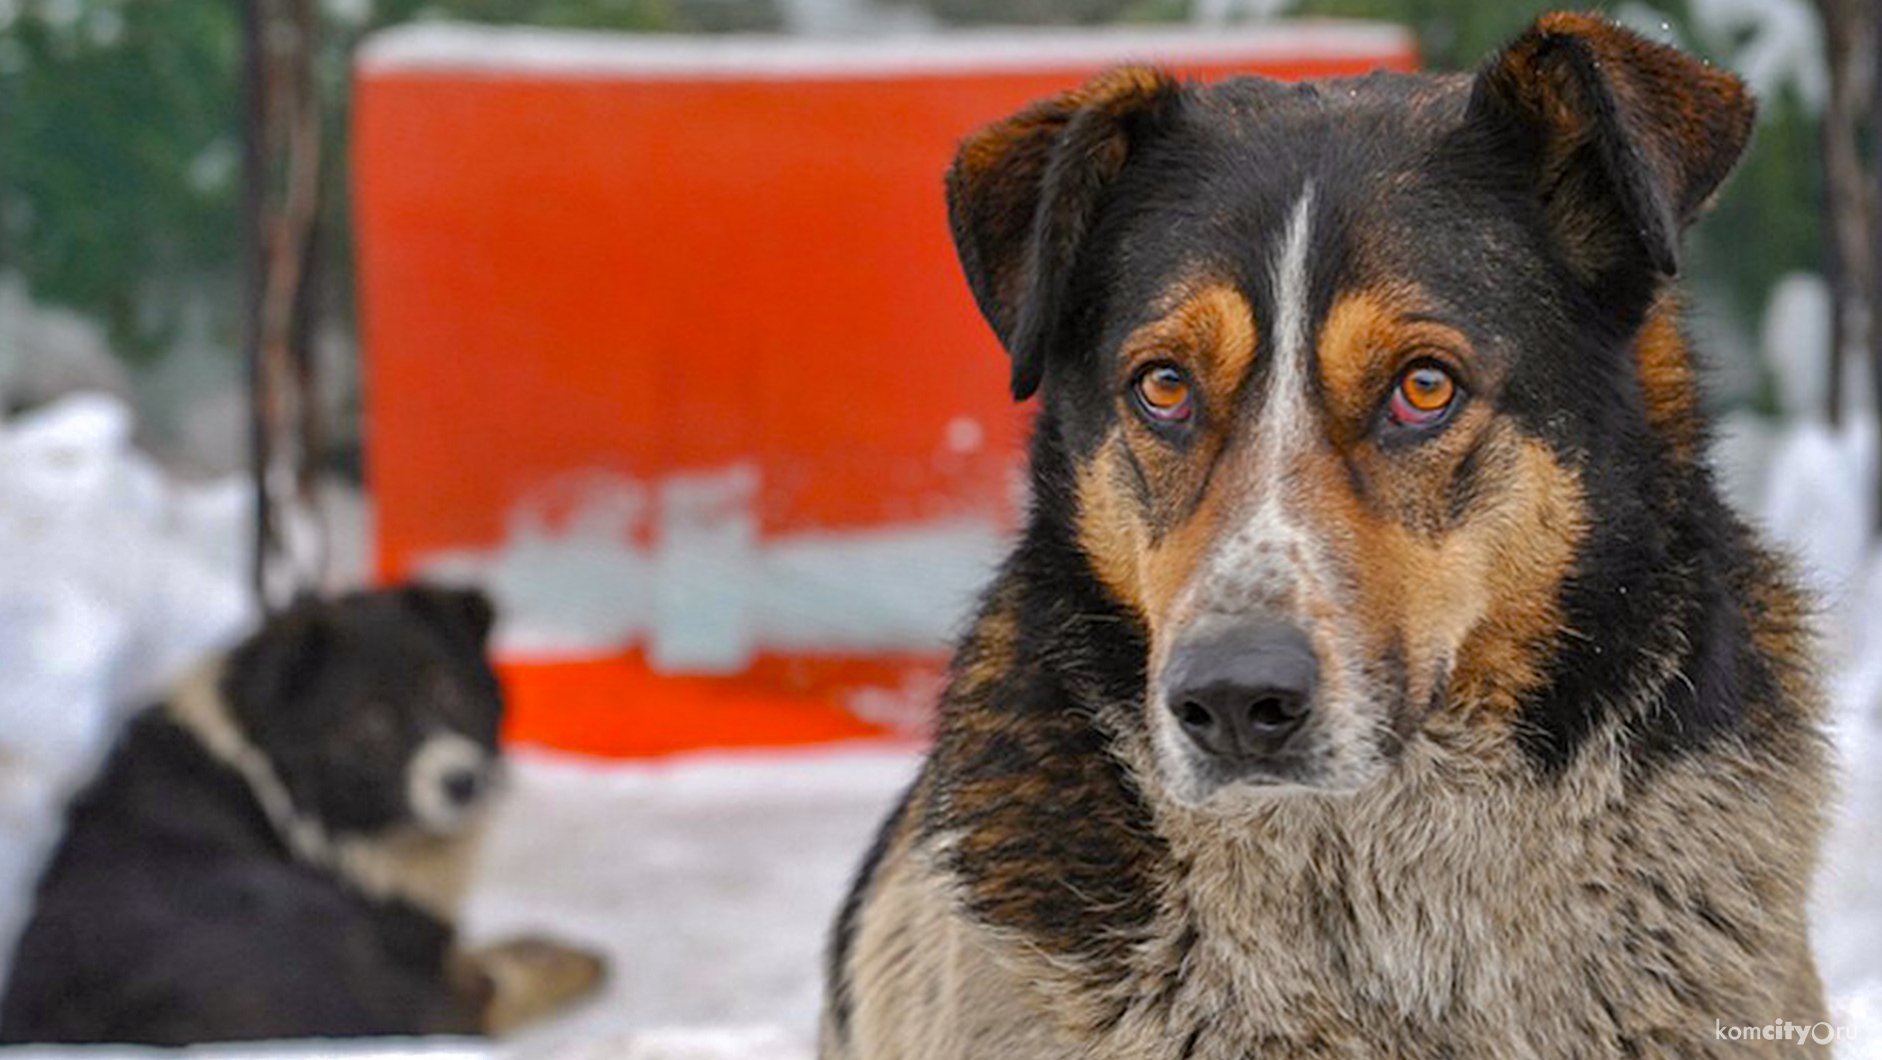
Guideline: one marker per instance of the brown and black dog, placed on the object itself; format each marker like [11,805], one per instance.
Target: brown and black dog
[1379,673]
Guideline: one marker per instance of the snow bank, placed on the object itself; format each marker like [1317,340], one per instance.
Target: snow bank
[115,577]
[717,1044]
[709,880]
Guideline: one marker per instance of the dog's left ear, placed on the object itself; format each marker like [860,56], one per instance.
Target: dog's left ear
[1022,194]
[1625,139]
[464,614]
[278,663]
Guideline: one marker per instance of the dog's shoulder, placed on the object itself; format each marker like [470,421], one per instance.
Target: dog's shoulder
[1023,823]
[160,794]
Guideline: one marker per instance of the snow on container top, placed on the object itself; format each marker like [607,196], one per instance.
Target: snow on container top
[666,344]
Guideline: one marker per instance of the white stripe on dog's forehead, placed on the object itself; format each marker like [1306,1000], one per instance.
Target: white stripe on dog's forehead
[1259,557]
[1284,409]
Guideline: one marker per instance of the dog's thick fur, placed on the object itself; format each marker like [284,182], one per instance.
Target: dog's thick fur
[1561,787]
[279,849]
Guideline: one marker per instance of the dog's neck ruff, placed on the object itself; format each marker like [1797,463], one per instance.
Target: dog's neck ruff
[197,704]
[425,871]
[1396,895]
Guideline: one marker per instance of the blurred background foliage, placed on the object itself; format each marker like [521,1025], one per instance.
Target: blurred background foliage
[119,158]
[120,155]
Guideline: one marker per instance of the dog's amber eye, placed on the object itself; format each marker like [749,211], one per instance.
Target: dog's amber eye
[1424,394]
[1163,391]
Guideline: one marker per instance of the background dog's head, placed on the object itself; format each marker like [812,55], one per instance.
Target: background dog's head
[377,710]
[1367,389]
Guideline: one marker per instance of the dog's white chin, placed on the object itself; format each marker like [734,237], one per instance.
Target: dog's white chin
[1194,792]
[1186,779]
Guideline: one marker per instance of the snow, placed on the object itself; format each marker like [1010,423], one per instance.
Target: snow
[738,1043]
[1810,507]
[422,47]
[709,880]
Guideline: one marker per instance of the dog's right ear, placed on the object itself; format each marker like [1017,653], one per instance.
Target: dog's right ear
[1021,194]
[1623,141]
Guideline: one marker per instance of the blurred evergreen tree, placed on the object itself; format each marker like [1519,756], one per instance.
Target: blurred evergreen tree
[118,153]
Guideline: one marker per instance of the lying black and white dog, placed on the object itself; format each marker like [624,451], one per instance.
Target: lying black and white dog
[280,848]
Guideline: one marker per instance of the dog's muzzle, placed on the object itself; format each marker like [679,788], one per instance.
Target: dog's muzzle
[448,781]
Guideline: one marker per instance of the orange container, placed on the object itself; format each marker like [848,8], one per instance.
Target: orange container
[666,342]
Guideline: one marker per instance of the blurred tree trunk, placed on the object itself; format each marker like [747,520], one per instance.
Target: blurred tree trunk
[1850,31]
[281,203]
[1874,51]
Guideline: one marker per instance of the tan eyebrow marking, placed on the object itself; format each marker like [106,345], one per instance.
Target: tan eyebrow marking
[1211,331]
[1365,338]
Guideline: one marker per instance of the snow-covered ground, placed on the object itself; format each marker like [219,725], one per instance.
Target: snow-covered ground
[708,879]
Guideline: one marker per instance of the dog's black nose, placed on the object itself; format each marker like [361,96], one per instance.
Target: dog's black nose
[1241,692]
[462,785]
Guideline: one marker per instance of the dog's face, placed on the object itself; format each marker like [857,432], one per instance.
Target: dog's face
[1336,365]
[377,710]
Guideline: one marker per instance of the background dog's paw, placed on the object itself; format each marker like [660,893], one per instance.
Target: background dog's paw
[533,977]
